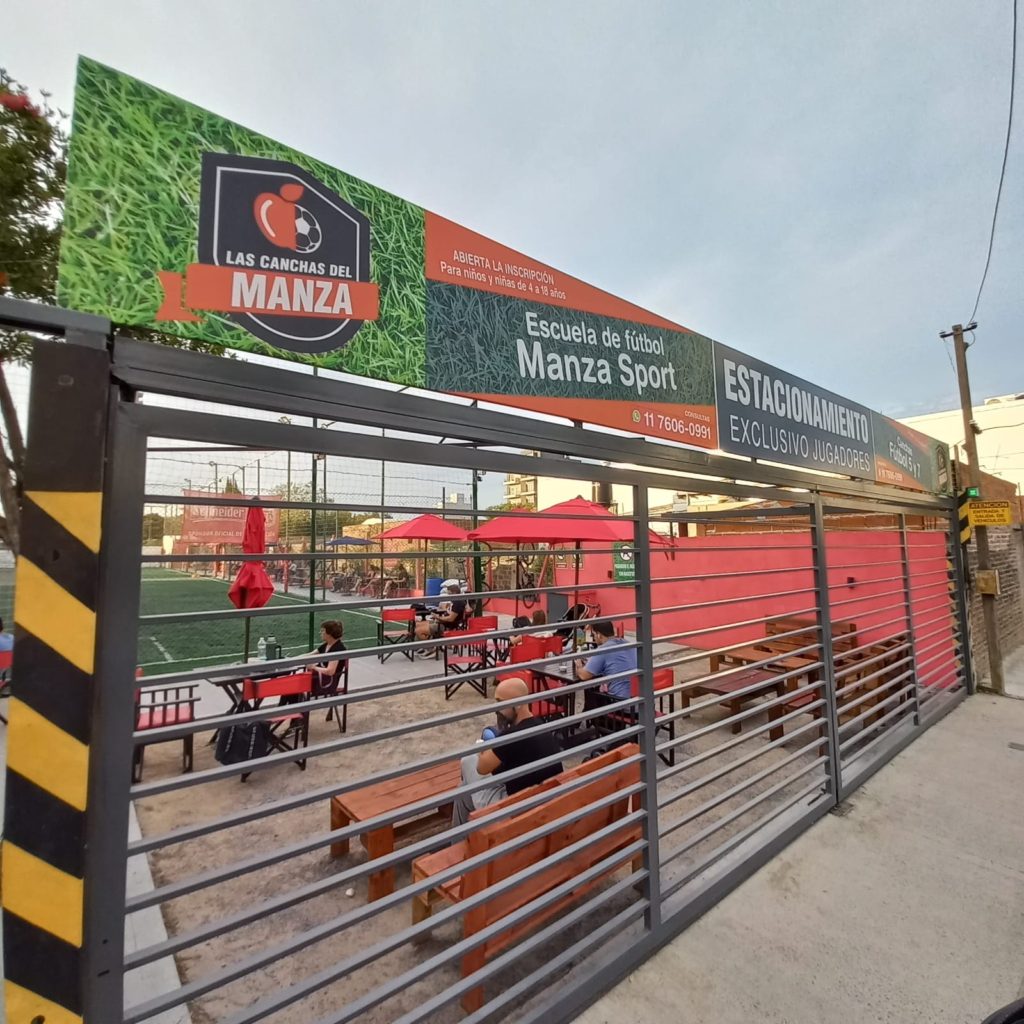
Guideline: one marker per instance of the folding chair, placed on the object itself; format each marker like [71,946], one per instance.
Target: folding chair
[293,725]
[160,707]
[339,712]
[664,679]
[473,659]
[395,627]
[487,624]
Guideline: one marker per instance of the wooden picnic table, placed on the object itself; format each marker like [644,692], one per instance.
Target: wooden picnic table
[727,686]
[386,798]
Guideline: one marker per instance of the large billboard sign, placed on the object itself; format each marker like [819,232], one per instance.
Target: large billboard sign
[180,220]
[770,415]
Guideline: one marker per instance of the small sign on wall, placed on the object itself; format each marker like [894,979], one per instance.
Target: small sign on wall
[987,582]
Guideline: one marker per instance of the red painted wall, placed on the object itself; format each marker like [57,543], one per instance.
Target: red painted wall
[730,579]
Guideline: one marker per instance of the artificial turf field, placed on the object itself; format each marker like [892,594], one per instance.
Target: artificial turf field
[178,646]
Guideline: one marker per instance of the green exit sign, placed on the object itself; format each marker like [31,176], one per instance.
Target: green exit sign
[973,492]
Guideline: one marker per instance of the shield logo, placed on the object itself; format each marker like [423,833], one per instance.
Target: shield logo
[271,215]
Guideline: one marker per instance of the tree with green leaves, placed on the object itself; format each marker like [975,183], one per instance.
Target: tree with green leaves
[33,164]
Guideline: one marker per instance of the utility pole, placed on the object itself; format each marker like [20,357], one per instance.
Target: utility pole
[988,601]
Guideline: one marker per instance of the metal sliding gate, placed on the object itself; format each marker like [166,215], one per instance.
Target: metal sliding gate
[788,643]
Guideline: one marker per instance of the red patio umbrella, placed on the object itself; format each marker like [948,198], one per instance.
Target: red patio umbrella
[426,527]
[252,587]
[598,524]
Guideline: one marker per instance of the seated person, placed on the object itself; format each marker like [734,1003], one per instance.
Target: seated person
[612,656]
[6,639]
[519,622]
[449,615]
[540,618]
[507,757]
[327,674]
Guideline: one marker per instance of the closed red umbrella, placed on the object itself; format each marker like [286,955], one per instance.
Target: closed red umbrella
[252,587]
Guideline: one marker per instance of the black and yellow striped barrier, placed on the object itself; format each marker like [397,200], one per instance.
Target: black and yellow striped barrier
[963,504]
[56,585]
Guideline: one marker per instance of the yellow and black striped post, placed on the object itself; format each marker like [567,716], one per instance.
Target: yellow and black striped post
[963,504]
[48,743]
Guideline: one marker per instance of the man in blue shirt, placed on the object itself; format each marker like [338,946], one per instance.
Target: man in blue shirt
[6,639]
[612,656]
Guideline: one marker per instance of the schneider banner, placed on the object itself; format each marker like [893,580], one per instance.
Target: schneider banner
[180,220]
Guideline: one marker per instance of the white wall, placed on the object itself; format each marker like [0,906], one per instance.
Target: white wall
[1000,445]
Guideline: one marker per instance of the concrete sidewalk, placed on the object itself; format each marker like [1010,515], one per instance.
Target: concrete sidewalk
[907,905]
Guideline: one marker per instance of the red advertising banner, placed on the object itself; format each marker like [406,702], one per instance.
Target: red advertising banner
[223,524]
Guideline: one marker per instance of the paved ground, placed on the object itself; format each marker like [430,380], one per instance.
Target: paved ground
[907,908]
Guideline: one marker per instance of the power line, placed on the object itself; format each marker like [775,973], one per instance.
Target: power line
[1002,172]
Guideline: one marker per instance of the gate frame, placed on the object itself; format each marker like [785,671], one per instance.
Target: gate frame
[139,366]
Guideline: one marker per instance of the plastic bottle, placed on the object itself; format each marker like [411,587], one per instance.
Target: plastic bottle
[261,649]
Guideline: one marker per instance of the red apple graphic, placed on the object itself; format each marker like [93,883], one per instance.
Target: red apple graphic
[275,214]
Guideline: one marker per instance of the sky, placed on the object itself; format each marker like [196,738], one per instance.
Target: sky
[811,183]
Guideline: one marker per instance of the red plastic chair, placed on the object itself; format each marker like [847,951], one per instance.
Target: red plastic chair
[405,618]
[664,679]
[160,707]
[556,706]
[291,725]
[469,655]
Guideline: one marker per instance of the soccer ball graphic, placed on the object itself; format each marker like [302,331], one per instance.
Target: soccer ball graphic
[308,235]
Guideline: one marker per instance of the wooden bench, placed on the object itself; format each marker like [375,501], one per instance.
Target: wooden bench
[493,833]
[727,686]
[385,798]
[844,640]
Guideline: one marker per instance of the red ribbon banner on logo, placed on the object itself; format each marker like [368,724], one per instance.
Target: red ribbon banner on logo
[238,290]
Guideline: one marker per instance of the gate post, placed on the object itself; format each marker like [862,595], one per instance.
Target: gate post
[825,627]
[958,567]
[49,741]
[908,597]
[648,735]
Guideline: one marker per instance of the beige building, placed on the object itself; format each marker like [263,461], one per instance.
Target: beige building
[1000,443]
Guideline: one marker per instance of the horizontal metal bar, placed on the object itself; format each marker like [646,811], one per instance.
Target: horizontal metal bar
[731,625]
[355,696]
[906,706]
[510,996]
[887,733]
[665,773]
[737,840]
[730,600]
[935,657]
[306,607]
[479,977]
[732,816]
[741,716]
[41,318]
[731,766]
[214,876]
[254,912]
[898,502]
[907,660]
[657,581]
[296,943]
[367,553]
[727,549]
[733,791]
[798,509]
[875,692]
